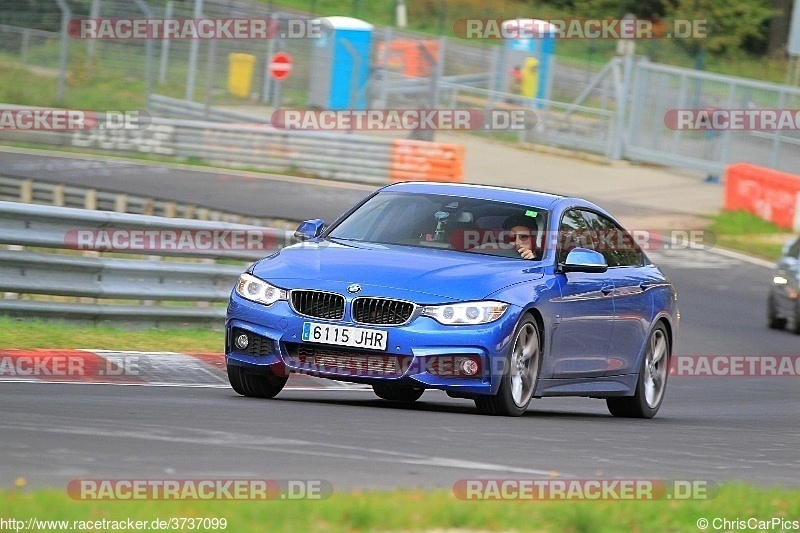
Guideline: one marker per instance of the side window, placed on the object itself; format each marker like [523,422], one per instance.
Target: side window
[794,250]
[616,244]
[572,234]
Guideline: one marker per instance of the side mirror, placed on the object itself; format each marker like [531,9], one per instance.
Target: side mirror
[310,229]
[584,260]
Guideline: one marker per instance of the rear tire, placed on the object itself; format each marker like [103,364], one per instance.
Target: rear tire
[255,385]
[796,328]
[772,320]
[397,393]
[651,384]
[520,375]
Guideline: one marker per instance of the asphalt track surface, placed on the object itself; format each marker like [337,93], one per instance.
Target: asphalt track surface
[245,193]
[709,428]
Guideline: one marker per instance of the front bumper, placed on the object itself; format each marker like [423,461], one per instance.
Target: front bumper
[414,350]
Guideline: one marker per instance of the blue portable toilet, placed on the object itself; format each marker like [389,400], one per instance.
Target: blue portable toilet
[340,64]
[534,39]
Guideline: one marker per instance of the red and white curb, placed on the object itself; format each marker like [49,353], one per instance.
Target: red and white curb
[133,368]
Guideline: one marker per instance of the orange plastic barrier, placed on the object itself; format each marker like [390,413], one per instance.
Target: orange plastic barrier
[426,161]
[767,193]
[406,55]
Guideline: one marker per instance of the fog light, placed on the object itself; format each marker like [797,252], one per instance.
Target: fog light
[242,341]
[469,367]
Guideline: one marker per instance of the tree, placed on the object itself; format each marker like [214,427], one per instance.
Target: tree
[730,24]
[779,28]
[618,8]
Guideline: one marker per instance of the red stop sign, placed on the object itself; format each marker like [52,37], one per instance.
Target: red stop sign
[280,66]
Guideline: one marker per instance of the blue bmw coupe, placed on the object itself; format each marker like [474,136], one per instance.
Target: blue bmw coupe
[495,294]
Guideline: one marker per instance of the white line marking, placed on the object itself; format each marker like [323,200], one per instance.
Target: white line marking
[743,257]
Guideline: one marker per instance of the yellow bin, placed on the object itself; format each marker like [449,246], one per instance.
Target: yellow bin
[240,74]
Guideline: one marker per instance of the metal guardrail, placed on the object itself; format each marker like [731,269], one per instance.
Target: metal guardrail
[337,156]
[332,155]
[31,191]
[57,283]
[167,107]
[341,156]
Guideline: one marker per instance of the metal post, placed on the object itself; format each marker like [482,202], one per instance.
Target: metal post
[66,14]
[148,50]
[162,71]
[777,144]
[267,85]
[678,133]
[277,95]
[277,89]
[726,135]
[633,105]
[622,105]
[385,71]
[439,70]
[193,51]
[494,64]
[94,12]
[212,52]
[433,97]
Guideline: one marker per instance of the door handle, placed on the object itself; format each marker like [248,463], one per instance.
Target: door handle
[645,285]
[606,289]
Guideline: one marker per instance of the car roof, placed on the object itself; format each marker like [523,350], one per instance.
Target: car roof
[514,195]
[483,192]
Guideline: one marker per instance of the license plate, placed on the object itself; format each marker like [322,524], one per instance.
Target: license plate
[373,339]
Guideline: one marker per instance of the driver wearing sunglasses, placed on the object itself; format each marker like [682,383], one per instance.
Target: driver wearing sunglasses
[522,231]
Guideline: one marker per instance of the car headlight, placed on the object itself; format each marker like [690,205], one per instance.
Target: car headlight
[257,290]
[466,312]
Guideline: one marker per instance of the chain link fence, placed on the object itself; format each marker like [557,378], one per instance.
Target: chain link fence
[614,110]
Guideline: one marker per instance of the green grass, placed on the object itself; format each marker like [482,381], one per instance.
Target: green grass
[20,86]
[414,510]
[30,334]
[740,230]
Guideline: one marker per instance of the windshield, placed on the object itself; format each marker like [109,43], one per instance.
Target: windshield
[450,222]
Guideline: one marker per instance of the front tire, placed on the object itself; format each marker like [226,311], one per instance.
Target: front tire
[772,319]
[397,393]
[520,375]
[651,384]
[255,385]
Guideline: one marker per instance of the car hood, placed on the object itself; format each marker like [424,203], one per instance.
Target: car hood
[394,271]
